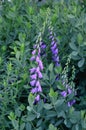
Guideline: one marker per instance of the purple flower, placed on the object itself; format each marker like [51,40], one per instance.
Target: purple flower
[38,86]
[50,37]
[55,51]
[37,59]
[37,98]
[39,89]
[37,83]
[34,90]
[69,91]
[43,46]
[39,75]
[34,76]
[64,93]
[41,65]
[53,47]
[32,70]
[35,46]
[32,58]
[70,103]
[33,52]
[37,69]
[32,83]
[57,64]
[52,43]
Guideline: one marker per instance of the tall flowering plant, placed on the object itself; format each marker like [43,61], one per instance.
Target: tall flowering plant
[69,86]
[54,48]
[55,58]
[35,72]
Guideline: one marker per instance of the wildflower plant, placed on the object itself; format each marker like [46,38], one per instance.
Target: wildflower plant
[69,86]
[54,101]
[54,48]
[35,72]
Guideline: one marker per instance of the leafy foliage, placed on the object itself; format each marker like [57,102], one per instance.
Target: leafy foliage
[20,24]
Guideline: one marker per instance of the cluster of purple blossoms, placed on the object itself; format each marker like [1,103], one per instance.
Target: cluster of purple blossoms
[54,48]
[67,92]
[35,73]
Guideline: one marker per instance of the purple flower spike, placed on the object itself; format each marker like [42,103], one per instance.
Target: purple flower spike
[32,83]
[64,93]
[35,73]
[54,48]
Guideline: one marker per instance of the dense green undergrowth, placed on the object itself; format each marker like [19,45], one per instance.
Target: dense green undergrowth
[21,22]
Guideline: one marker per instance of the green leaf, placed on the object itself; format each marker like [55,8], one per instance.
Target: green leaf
[58,69]
[75,117]
[70,16]
[68,123]
[79,38]
[74,53]
[12,116]
[15,124]
[22,126]
[60,86]
[39,122]
[73,46]
[59,102]
[18,55]
[31,116]
[28,126]
[62,114]
[81,62]
[31,99]
[50,68]
[29,108]
[52,93]
[22,37]
[83,122]
[52,127]
[59,121]
[51,114]
[48,106]
[40,106]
